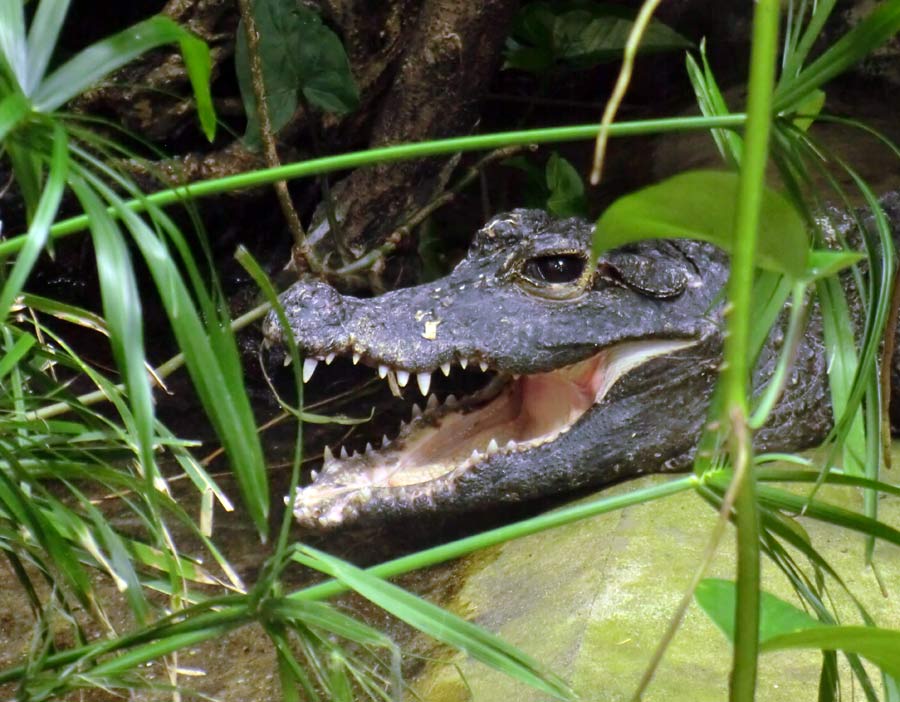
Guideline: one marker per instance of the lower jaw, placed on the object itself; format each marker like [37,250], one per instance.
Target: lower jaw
[445,442]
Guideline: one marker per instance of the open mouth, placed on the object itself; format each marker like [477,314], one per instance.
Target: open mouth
[510,414]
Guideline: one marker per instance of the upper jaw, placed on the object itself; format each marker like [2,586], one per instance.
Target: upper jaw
[448,441]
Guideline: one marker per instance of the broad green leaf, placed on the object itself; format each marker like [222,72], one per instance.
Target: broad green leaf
[825,262]
[438,623]
[701,205]
[42,37]
[97,61]
[566,197]
[300,55]
[716,597]
[809,107]
[579,34]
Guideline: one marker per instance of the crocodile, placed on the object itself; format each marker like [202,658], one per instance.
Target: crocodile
[593,373]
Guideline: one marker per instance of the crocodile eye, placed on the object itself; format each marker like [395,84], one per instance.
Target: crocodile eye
[557,268]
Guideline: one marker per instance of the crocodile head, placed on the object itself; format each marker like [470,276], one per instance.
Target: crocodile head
[593,372]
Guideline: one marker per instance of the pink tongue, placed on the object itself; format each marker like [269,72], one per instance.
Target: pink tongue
[529,408]
[552,401]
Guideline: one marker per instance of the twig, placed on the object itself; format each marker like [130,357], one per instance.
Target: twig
[615,100]
[725,513]
[302,254]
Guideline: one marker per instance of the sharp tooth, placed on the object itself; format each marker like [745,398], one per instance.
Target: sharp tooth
[451,400]
[475,455]
[382,371]
[510,445]
[402,378]
[329,358]
[287,360]
[327,456]
[369,448]
[313,474]
[463,362]
[384,441]
[355,358]
[416,411]
[309,365]
[343,453]
[483,366]
[493,447]
[424,380]
[445,368]
[432,402]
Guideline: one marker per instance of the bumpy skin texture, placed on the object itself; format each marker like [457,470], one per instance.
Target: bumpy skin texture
[651,418]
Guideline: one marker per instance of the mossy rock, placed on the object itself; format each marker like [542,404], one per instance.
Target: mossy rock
[591,601]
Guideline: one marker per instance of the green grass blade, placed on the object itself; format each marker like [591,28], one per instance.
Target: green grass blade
[42,37]
[44,215]
[197,61]
[816,509]
[92,64]
[11,358]
[122,310]
[322,616]
[439,623]
[881,646]
[770,395]
[780,475]
[13,108]
[712,103]
[874,30]
[843,364]
[211,358]
[13,46]
[801,49]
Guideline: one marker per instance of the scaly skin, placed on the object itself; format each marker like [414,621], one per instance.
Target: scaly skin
[486,311]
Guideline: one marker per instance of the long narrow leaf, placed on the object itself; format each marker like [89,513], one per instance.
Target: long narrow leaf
[13,108]
[222,393]
[881,646]
[122,309]
[439,623]
[44,216]
[13,47]
[869,34]
[42,36]
[91,65]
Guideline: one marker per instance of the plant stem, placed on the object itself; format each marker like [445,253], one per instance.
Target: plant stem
[470,544]
[615,100]
[387,154]
[267,136]
[735,374]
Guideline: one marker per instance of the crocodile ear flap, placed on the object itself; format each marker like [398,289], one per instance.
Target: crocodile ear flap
[647,272]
